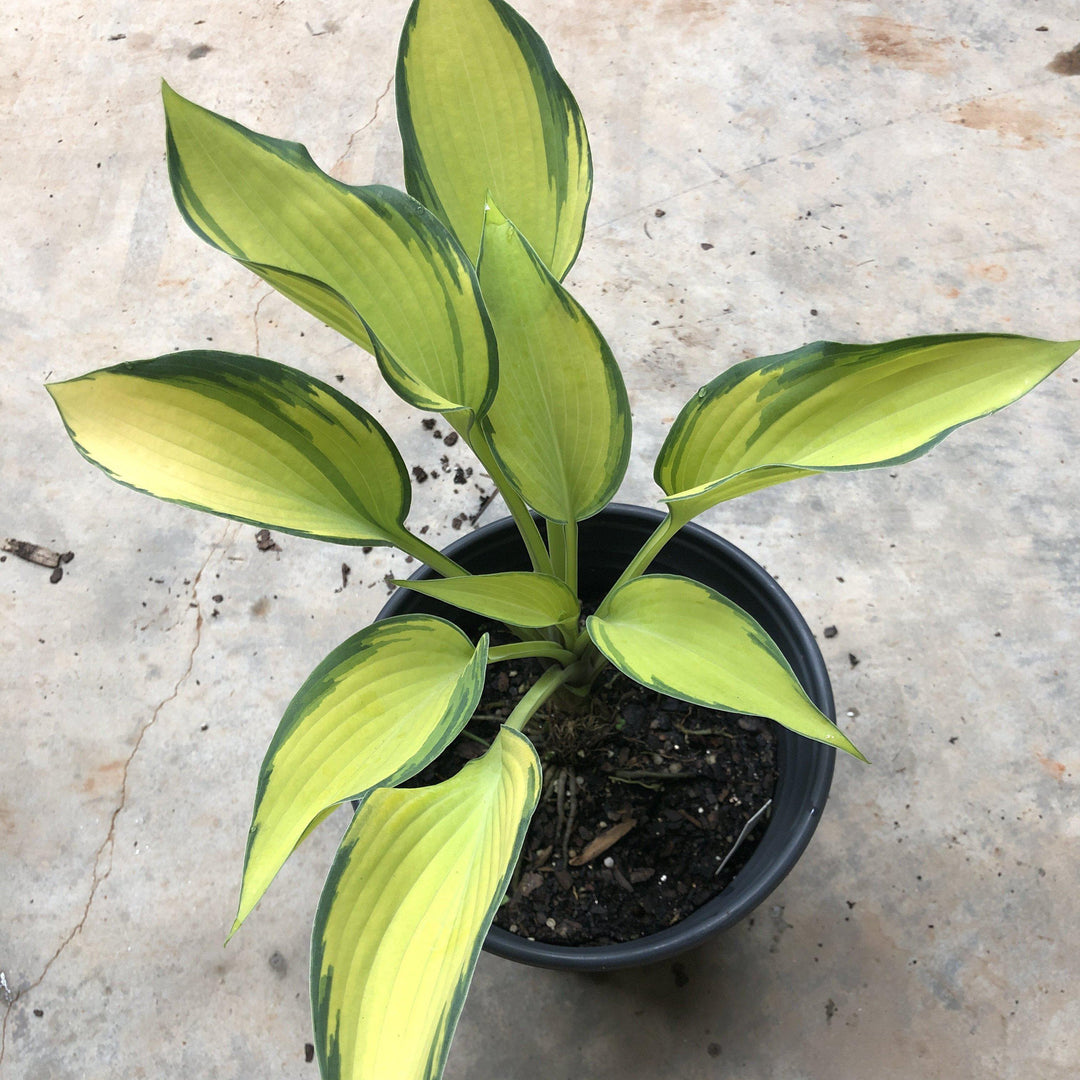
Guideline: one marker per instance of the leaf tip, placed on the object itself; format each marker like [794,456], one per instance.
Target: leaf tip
[493,216]
[844,743]
[58,391]
[169,95]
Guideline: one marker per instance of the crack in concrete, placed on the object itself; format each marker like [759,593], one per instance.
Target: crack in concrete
[832,140]
[99,875]
[255,318]
[371,120]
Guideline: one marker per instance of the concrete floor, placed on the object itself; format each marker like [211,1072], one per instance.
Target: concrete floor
[847,170]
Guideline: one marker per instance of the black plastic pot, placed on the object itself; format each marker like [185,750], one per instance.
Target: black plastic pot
[607,542]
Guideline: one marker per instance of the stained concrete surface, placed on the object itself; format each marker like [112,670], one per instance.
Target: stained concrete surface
[767,173]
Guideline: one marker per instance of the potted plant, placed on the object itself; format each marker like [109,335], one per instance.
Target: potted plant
[788,816]
[456,289]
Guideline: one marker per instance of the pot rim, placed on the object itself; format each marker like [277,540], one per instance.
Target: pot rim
[805,767]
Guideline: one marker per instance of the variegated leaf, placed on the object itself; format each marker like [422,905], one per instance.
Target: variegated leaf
[411,894]
[518,598]
[481,108]
[829,406]
[380,707]
[243,437]
[560,424]
[684,639]
[370,261]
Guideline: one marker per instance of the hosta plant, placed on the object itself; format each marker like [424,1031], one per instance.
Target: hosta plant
[455,287]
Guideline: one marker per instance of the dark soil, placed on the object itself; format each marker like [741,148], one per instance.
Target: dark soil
[644,798]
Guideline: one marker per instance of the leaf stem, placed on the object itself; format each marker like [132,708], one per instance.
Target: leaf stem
[570,555]
[477,438]
[538,693]
[466,734]
[562,543]
[521,650]
[556,535]
[635,568]
[649,550]
[420,549]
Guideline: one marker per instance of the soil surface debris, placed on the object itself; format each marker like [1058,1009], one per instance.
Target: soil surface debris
[644,798]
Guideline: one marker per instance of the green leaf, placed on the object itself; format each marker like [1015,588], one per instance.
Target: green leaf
[518,598]
[317,299]
[686,640]
[560,424]
[370,261]
[378,709]
[411,894]
[830,406]
[243,437]
[481,108]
